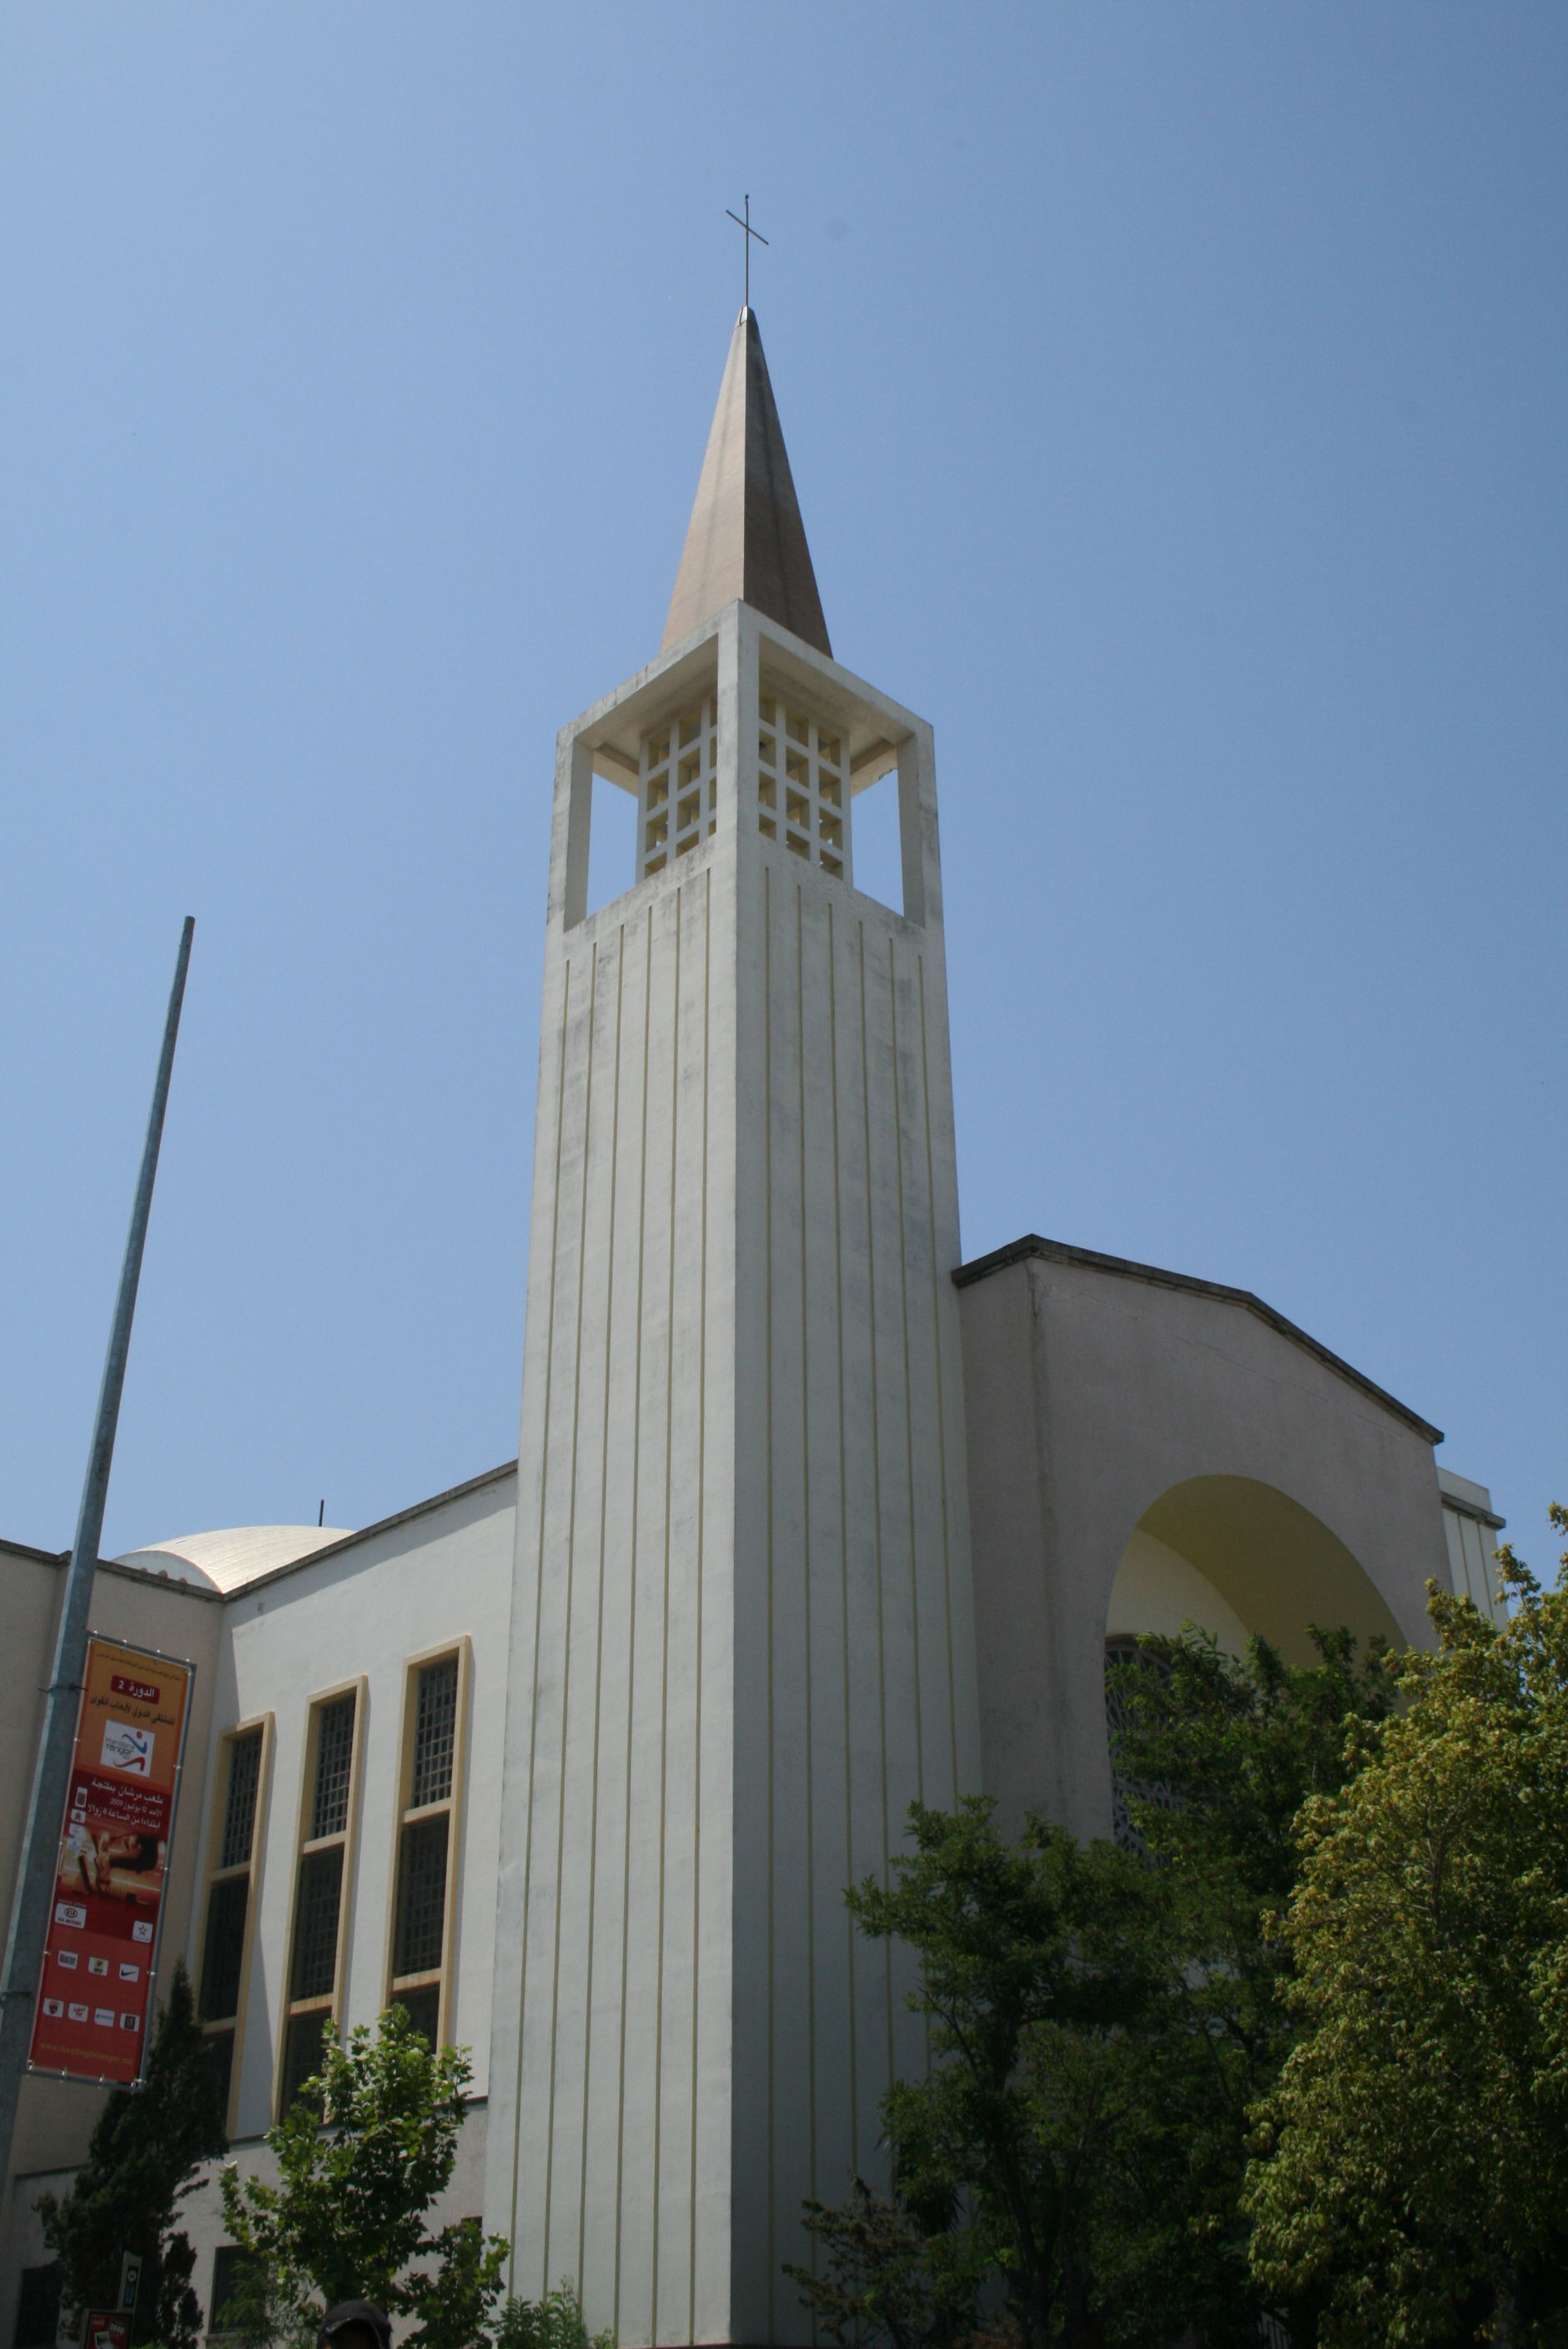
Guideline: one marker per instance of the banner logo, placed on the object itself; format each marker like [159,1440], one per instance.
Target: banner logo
[127,1746]
[113,1862]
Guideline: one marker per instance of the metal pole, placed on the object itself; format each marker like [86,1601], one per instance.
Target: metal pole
[40,1840]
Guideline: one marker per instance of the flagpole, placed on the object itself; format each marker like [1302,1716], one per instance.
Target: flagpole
[29,1924]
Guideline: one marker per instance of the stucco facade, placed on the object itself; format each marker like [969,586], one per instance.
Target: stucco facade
[1108,1399]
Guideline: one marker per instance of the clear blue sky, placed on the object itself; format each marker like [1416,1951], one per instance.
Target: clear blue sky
[1176,394]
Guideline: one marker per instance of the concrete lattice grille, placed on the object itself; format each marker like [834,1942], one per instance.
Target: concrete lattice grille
[677,788]
[802,787]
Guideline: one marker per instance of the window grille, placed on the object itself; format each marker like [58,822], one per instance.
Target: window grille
[315,1972]
[240,1808]
[323,1873]
[424,2010]
[223,1957]
[230,1918]
[803,786]
[422,1896]
[301,2053]
[425,1852]
[435,1734]
[677,787]
[334,1760]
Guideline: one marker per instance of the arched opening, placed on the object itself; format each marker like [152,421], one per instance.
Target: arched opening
[1233,1556]
[1158,1589]
[1236,1556]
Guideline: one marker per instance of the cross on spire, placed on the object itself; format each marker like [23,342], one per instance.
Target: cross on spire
[750,232]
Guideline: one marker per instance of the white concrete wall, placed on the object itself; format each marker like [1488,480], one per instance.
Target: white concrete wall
[742,1627]
[441,1574]
[609,2114]
[1472,1531]
[853,1627]
[1094,1389]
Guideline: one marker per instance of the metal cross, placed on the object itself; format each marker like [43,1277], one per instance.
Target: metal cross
[750,232]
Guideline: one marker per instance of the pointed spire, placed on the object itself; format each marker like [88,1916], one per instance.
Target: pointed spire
[745,540]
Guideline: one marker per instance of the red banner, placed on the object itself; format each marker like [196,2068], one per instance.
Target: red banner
[95,1999]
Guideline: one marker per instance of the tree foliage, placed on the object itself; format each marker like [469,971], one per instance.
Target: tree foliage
[362,2155]
[1102,2020]
[146,2148]
[887,2278]
[1084,2096]
[555,2321]
[1412,2168]
[1240,1744]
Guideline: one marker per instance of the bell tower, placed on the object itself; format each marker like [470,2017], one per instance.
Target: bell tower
[742,1634]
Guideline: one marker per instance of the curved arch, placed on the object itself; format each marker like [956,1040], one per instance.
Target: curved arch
[1158,1589]
[1274,1568]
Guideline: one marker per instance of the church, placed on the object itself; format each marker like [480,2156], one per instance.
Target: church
[810,1519]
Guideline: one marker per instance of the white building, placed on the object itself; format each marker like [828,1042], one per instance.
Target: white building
[809,1519]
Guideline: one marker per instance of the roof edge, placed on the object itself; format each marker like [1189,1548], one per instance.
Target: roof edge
[382,1525]
[61,1558]
[1462,1504]
[1030,1244]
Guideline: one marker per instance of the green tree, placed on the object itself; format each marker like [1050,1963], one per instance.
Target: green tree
[1412,2166]
[1236,1745]
[1084,2095]
[553,2322]
[1102,2022]
[143,2156]
[361,2156]
[1218,1754]
[885,2278]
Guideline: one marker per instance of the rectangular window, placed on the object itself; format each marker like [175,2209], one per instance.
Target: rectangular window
[423,2008]
[422,1896]
[220,1982]
[301,2053]
[426,1846]
[320,1882]
[38,2307]
[220,2055]
[225,1954]
[435,1734]
[334,1757]
[313,1973]
[240,1805]
[229,2267]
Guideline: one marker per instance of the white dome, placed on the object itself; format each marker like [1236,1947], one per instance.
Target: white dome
[228,1560]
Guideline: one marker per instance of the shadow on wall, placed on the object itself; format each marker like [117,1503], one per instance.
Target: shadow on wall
[1238,1557]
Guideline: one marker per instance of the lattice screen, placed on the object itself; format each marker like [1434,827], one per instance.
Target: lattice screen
[803,785]
[677,788]
[802,781]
